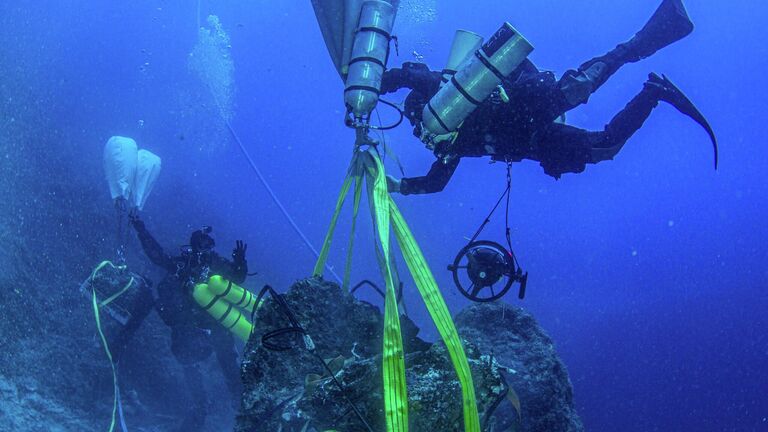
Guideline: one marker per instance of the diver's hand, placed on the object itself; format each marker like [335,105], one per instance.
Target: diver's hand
[393,184]
[238,253]
[396,78]
[136,222]
[392,80]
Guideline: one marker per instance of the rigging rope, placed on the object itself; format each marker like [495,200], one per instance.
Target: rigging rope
[275,199]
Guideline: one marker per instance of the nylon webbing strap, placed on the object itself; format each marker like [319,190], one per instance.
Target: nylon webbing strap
[351,244]
[438,310]
[393,370]
[95,304]
[386,216]
[115,296]
[323,257]
[117,408]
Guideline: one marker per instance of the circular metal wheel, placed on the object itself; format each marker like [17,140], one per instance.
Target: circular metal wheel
[483,271]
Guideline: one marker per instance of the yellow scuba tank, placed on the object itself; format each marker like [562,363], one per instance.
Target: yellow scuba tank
[223,300]
[476,80]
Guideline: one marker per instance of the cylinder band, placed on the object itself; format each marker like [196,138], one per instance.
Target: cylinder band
[245,294]
[213,301]
[236,321]
[376,30]
[437,117]
[362,87]
[368,59]
[226,291]
[463,92]
[446,73]
[489,66]
[229,309]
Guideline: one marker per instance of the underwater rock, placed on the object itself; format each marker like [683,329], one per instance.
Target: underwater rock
[292,391]
[340,326]
[535,371]
[434,394]
[24,408]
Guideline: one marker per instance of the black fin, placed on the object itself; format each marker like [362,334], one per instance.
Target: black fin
[671,94]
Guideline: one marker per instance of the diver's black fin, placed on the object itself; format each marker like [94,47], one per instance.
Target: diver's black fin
[668,24]
[670,93]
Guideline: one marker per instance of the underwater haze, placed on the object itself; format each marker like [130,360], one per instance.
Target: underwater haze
[648,272]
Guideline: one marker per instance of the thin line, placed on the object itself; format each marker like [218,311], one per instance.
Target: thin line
[276,200]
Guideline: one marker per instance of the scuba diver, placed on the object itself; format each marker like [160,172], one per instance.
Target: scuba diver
[195,335]
[529,126]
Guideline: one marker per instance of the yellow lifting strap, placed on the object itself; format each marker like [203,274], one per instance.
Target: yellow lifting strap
[97,316]
[223,300]
[114,296]
[386,215]
[95,305]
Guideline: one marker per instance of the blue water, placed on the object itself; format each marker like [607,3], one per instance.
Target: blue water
[648,271]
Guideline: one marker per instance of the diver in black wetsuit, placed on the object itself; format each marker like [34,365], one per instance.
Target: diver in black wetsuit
[527,127]
[195,335]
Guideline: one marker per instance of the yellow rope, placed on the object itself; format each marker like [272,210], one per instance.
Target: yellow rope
[95,304]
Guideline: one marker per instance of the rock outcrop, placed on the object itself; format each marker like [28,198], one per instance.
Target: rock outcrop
[514,367]
[532,365]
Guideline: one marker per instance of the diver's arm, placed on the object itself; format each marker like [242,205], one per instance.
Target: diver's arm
[235,270]
[435,180]
[151,247]
[414,76]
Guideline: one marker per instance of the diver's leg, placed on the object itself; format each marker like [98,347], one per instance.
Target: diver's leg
[141,307]
[227,356]
[623,125]
[198,407]
[632,117]
[668,24]
[562,148]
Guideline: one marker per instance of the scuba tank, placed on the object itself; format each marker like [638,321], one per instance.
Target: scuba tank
[464,44]
[469,87]
[369,58]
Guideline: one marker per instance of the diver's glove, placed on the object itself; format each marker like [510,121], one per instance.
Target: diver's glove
[238,253]
[411,75]
[137,223]
[393,184]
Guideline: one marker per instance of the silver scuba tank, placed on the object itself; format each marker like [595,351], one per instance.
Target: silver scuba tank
[369,58]
[469,87]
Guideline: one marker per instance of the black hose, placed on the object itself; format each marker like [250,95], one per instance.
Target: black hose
[371,284]
[296,328]
[378,289]
[397,123]
[495,403]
